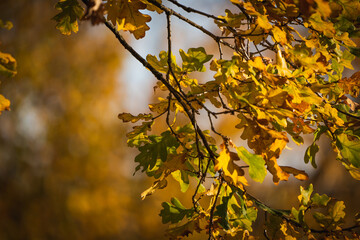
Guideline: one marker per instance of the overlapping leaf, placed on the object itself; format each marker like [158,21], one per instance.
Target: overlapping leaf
[174,212]
[67,19]
[127,16]
[4,104]
[7,65]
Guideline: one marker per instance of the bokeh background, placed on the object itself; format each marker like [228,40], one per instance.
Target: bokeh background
[65,169]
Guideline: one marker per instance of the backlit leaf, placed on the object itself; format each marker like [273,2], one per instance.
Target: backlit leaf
[320,200]
[4,104]
[337,211]
[7,65]
[194,59]
[304,198]
[299,174]
[182,177]
[232,172]
[174,212]
[310,154]
[257,170]
[127,15]
[127,117]
[67,19]
[350,150]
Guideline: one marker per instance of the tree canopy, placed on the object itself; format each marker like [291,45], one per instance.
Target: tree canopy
[278,69]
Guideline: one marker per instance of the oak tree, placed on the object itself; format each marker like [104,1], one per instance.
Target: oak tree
[299,90]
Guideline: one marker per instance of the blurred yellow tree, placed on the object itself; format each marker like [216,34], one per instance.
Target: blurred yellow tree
[61,159]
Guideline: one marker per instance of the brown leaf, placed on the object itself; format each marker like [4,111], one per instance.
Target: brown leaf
[299,174]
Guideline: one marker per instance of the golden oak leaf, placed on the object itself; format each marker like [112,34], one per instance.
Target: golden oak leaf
[7,65]
[279,35]
[113,8]
[248,6]
[319,24]
[4,104]
[128,17]
[258,63]
[282,65]
[275,170]
[299,174]
[152,7]
[277,97]
[333,113]
[175,162]
[278,145]
[158,184]
[344,37]
[263,22]
[232,172]
[351,85]
[323,8]
[255,33]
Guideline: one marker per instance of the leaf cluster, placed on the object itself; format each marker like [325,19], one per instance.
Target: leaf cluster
[301,90]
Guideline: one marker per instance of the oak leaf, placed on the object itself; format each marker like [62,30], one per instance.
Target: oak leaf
[4,103]
[232,172]
[126,14]
[67,19]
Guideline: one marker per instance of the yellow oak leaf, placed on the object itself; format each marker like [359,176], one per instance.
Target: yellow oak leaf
[279,35]
[299,174]
[277,97]
[4,104]
[158,184]
[323,8]
[320,25]
[276,171]
[126,13]
[263,22]
[351,85]
[232,172]
[258,63]
[344,37]
[278,145]
[282,65]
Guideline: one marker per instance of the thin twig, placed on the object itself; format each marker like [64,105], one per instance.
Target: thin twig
[169,60]
[207,32]
[213,209]
[189,9]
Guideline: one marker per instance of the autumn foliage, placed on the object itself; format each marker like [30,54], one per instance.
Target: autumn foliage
[283,80]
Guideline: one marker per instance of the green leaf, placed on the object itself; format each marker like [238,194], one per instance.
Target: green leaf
[222,212]
[183,178]
[322,219]
[138,136]
[337,211]
[174,212]
[257,170]
[71,11]
[320,200]
[194,59]
[161,64]
[184,230]
[346,59]
[155,151]
[304,198]
[310,154]
[350,149]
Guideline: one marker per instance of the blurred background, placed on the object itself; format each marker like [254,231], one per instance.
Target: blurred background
[65,169]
